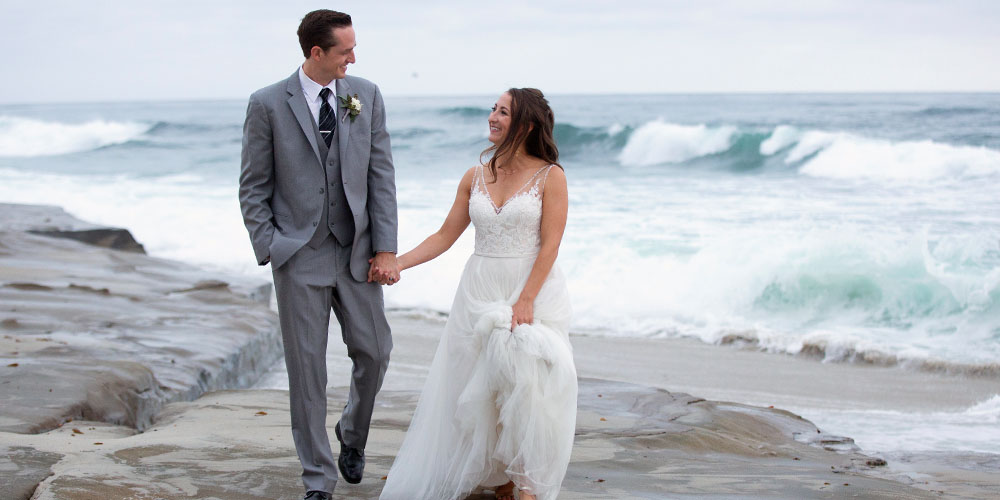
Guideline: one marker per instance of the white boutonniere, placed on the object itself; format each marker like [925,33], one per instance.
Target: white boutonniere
[351,104]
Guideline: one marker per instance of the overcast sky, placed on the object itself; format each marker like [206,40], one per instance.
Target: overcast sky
[137,50]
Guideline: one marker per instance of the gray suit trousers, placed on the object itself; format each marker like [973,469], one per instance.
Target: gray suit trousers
[313,282]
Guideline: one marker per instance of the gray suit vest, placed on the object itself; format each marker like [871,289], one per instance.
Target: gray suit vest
[337,218]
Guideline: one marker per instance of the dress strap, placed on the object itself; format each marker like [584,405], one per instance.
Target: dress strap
[546,175]
[477,175]
[538,180]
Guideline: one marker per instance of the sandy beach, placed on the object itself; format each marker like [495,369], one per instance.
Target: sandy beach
[127,376]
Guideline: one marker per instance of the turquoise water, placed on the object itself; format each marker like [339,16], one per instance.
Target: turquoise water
[859,227]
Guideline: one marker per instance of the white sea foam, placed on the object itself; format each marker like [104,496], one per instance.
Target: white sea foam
[850,157]
[972,429]
[841,155]
[810,143]
[658,142]
[987,412]
[845,296]
[971,287]
[30,137]
[781,137]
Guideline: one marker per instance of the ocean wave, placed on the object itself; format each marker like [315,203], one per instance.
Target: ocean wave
[841,155]
[972,431]
[885,282]
[814,153]
[939,111]
[987,411]
[658,142]
[466,111]
[24,137]
[848,157]
[416,133]
[575,139]
[782,137]
[931,304]
[168,128]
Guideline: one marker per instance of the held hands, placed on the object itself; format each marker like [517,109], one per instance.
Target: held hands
[524,313]
[384,269]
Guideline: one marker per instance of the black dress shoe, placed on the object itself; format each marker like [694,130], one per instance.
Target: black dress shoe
[351,461]
[317,495]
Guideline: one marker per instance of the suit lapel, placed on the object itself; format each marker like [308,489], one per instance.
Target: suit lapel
[297,101]
[343,121]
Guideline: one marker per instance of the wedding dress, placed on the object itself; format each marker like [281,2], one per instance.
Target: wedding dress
[497,405]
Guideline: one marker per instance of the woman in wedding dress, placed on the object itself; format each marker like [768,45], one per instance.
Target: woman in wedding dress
[498,409]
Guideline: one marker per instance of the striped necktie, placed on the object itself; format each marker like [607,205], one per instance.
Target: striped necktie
[327,120]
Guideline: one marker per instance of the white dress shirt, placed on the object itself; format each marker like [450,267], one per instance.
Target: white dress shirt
[311,91]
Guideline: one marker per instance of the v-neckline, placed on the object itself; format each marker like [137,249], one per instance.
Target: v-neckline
[486,191]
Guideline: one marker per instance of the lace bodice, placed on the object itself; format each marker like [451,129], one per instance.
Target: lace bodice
[514,228]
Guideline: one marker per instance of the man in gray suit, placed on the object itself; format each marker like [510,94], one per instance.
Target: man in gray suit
[318,196]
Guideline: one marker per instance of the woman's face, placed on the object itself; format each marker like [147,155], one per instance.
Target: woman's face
[500,119]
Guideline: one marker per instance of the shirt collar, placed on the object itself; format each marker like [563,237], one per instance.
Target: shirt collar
[311,89]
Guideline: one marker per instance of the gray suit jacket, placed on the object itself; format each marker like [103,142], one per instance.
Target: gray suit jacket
[282,173]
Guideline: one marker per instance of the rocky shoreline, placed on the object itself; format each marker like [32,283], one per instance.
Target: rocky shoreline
[93,329]
[122,376]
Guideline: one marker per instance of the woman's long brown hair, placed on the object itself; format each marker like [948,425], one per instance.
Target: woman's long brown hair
[531,124]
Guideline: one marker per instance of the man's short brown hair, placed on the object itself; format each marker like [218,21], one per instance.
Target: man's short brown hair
[316,29]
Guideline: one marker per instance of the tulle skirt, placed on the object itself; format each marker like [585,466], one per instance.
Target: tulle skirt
[497,405]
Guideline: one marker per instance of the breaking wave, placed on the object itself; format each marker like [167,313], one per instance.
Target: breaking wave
[847,156]
[815,153]
[659,142]
[25,137]
[926,303]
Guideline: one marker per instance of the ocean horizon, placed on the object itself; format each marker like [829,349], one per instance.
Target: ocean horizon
[548,95]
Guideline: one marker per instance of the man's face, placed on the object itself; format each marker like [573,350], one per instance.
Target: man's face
[336,58]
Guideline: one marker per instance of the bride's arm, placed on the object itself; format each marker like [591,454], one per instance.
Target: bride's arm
[555,204]
[453,227]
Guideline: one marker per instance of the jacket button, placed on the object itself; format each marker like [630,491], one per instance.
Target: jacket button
[320,190]
[315,224]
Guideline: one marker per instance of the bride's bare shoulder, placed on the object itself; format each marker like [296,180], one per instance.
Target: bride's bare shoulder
[466,183]
[556,176]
